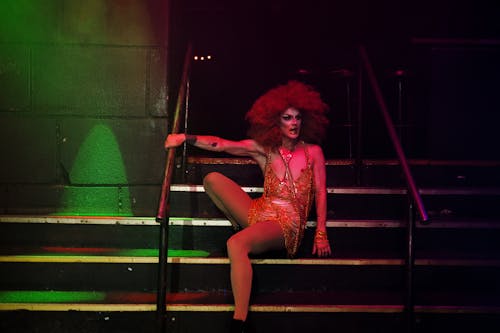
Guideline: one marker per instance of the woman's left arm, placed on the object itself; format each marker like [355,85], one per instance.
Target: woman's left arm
[321,245]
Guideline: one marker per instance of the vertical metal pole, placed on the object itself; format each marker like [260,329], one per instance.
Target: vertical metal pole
[412,187]
[400,108]
[186,122]
[410,260]
[161,300]
[163,221]
[349,113]
[162,216]
[359,143]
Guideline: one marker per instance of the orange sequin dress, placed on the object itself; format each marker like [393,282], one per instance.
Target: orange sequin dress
[279,203]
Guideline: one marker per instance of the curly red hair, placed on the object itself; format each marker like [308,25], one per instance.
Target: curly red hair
[265,113]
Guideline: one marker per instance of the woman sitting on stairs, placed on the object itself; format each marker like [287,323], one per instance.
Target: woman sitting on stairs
[285,124]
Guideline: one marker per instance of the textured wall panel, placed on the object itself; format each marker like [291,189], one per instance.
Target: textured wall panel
[157,102]
[3,199]
[33,199]
[124,22]
[29,21]
[14,78]
[28,150]
[92,80]
[144,199]
[91,201]
[65,200]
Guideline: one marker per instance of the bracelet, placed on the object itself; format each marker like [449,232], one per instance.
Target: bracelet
[320,236]
[191,139]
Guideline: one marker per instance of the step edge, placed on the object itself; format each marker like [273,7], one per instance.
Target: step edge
[148,307]
[352,162]
[179,221]
[187,260]
[225,261]
[221,222]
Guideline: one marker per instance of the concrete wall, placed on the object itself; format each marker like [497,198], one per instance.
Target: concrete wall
[83,105]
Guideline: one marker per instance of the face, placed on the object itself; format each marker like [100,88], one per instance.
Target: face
[290,122]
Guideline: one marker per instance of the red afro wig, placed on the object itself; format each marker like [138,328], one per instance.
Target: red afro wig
[265,114]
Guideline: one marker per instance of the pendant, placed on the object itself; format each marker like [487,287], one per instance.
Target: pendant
[286,156]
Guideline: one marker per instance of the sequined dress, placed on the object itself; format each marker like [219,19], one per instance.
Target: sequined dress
[279,203]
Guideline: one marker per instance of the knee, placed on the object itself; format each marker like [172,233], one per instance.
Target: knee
[236,246]
[210,179]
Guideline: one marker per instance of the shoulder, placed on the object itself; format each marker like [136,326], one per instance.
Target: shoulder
[314,150]
[316,155]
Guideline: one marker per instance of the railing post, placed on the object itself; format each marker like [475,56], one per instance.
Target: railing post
[163,213]
[348,81]
[184,170]
[161,299]
[399,87]
[412,187]
[359,124]
[414,198]
[410,261]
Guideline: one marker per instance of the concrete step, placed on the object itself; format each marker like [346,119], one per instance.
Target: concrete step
[351,186]
[136,269]
[442,238]
[347,172]
[352,301]
[109,263]
[191,312]
[436,321]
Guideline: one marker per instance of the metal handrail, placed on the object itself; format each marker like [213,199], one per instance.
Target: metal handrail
[393,136]
[163,212]
[413,191]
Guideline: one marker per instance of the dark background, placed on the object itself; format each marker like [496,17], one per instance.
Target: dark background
[447,50]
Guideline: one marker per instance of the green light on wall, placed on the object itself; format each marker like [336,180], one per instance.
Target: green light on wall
[31,296]
[98,177]
[26,20]
[171,253]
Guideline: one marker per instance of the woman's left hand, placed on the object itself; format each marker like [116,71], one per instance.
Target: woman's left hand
[174,140]
[322,248]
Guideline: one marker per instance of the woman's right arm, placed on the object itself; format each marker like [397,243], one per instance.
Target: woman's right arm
[215,143]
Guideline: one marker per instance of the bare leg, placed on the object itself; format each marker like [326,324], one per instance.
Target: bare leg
[257,238]
[228,197]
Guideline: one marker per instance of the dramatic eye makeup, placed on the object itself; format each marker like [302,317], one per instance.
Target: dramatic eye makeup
[289,116]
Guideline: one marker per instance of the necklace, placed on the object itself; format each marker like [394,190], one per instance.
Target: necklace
[286,155]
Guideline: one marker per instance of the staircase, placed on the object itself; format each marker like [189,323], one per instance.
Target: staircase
[99,274]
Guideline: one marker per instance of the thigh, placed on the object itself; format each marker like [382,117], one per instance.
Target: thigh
[230,195]
[261,237]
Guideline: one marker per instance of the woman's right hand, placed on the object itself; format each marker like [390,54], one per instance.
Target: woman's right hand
[174,140]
